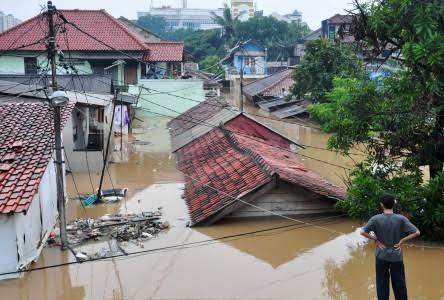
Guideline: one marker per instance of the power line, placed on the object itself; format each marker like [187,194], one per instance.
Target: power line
[169,248]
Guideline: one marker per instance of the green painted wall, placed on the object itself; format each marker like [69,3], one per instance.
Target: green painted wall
[12,65]
[170,94]
[15,64]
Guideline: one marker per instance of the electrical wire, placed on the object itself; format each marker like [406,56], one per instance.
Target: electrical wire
[169,248]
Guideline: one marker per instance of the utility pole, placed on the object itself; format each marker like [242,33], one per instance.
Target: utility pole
[241,85]
[105,158]
[57,126]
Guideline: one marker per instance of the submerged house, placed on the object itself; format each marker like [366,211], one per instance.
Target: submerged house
[235,166]
[28,192]
[87,125]
[273,95]
[250,58]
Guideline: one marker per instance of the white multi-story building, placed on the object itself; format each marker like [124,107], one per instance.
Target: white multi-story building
[184,17]
[7,21]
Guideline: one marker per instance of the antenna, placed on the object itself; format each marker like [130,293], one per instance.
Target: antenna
[184,3]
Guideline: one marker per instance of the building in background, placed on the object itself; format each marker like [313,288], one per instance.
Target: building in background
[7,21]
[184,17]
[334,28]
[294,17]
[243,9]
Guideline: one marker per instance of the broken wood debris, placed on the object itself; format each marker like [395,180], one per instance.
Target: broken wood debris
[121,227]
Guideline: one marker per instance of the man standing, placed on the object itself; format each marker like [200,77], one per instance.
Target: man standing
[390,231]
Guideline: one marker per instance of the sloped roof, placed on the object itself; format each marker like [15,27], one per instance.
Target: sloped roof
[26,147]
[291,169]
[271,85]
[98,23]
[236,165]
[164,51]
[198,121]
[340,19]
[211,162]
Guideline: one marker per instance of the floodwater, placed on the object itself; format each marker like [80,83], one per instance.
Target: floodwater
[327,261]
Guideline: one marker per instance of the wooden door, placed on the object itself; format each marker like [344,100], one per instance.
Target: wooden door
[130,73]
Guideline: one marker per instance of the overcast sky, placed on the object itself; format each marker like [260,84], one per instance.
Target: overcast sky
[314,11]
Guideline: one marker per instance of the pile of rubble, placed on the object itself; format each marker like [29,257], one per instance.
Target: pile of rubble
[120,227]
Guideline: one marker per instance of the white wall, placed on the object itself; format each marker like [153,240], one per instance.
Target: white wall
[8,246]
[77,159]
[24,235]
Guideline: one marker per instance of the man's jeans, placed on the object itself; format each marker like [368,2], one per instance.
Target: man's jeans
[394,270]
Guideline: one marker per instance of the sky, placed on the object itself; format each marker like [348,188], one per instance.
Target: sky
[314,11]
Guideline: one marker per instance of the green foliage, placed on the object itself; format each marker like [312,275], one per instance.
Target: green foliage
[155,24]
[228,23]
[421,203]
[278,36]
[400,119]
[203,43]
[323,61]
[211,64]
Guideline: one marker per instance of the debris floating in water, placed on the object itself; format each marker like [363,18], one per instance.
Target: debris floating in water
[121,227]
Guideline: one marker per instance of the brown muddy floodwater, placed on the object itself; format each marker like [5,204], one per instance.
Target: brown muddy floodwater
[289,263]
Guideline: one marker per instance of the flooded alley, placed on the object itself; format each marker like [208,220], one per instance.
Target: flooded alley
[280,260]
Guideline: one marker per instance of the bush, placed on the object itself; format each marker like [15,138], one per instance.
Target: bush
[422,204]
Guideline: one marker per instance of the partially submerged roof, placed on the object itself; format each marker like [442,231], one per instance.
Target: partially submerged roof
[271,85]
[97,23]
[26,147]
[221,166]
[203,117]
[198,121]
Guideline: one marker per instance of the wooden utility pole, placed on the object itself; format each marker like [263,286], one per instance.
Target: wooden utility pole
[105,158]
[57,126]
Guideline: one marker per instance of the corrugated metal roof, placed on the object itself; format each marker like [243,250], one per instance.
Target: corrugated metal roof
[261,85]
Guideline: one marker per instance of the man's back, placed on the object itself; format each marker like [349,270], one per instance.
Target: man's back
[389,229]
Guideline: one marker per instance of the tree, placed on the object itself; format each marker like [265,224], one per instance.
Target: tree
[155,24]
[203,43]
[211,64]
[399,119]
[278,36]
[323,61]
[228,24]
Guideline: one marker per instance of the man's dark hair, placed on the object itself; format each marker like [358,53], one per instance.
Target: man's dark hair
[387,200]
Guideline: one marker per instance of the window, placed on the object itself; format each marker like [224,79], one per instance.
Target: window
[88,128]
[31,65]
[331,32]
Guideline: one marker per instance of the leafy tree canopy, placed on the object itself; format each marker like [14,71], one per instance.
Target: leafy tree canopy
[400,119]
[323,61]
[211,64]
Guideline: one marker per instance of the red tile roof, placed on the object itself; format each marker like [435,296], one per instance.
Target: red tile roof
[26,146]
[290,168]
[164,51]
[98,23]
[236,165]
[212,161]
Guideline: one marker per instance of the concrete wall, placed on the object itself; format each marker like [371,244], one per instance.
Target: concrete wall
[169,97]
[23,236]
[80,160]
[286,199]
